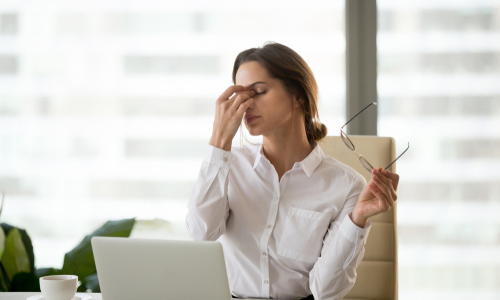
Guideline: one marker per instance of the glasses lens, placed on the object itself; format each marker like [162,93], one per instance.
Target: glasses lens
[365,163]
[347,141]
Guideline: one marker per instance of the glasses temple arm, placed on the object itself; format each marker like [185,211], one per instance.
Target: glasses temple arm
[358,114]
[398,157]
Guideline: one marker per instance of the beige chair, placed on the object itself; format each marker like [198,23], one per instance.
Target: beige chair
[378,272]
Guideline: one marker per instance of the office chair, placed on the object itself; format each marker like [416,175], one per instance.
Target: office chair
[377,277]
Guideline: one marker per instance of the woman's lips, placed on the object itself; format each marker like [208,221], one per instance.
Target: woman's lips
[250,118]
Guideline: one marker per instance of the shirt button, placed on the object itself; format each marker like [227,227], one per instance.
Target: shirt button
[276,198]
[225,158]
[266,282]
[269,226]
[361,237]
[264,253]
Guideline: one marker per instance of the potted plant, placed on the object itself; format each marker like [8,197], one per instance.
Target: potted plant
[17,259]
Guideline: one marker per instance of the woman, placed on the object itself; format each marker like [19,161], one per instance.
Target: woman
[292,220]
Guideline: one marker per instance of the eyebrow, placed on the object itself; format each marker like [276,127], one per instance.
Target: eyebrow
[255,83]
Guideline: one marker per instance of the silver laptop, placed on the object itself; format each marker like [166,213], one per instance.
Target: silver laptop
[143,269]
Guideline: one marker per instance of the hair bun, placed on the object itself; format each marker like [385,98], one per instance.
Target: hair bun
[318,132]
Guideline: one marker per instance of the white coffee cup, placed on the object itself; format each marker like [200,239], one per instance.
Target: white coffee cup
[58,287]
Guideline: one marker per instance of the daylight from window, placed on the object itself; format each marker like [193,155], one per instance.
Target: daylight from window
[106,107]
[438,74]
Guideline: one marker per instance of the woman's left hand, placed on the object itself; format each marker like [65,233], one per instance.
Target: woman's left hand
[377,197]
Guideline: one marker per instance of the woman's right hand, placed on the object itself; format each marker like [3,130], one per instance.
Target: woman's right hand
[229,111]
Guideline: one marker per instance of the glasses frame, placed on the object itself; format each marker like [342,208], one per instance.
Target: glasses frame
[347,141]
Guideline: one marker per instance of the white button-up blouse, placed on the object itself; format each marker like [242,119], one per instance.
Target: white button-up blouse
[283,238]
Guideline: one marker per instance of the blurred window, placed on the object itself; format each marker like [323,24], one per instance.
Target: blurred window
[438,86]
[106,109]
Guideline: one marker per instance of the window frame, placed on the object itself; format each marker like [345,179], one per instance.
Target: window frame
[361,64]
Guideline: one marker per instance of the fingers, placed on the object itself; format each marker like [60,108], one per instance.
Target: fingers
[384,205]
[387,181]
[230,91]
[382,193]
[241,97]
[243,107]
[233,97]
[229,110]
[393,177]
[383,189]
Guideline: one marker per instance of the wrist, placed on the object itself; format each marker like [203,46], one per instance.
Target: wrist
[221,143]
[358,218]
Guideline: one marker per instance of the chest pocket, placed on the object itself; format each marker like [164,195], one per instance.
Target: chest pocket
[302,237]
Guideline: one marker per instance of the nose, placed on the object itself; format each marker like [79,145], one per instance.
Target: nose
[250,106]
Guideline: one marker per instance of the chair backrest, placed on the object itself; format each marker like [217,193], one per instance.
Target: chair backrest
[378,272]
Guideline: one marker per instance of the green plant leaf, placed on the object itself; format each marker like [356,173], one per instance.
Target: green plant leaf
[29,248]
[2,233]
[4,281]
[15,259]
[80,260]
[26,242]
[25,282]
[6,230]
[2,242]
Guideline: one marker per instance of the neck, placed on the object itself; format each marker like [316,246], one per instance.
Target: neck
[284,149]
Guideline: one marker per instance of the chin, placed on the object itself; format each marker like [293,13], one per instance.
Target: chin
[254,132]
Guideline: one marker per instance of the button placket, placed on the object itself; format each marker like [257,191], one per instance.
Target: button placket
[264,242]
[282,184]
[266,235]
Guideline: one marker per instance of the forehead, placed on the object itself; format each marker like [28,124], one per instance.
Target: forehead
[251,72]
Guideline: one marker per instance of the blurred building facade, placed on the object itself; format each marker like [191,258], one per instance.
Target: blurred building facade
[106,108]
[438,87]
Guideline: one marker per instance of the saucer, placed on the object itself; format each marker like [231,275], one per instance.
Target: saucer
[77,297]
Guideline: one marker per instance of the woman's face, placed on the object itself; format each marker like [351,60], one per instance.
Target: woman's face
[271,112]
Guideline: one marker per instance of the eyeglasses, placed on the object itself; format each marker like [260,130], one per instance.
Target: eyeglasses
[350,145]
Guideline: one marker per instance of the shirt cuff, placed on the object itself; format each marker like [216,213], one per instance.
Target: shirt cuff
[354,233]
[217,156]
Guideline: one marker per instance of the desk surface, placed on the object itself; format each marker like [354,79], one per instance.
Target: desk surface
[24,295]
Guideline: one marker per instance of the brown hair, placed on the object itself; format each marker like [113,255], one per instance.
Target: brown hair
[286,65]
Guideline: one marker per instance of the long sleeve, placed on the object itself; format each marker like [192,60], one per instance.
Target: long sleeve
[282,238]
[208,207]
[334,273]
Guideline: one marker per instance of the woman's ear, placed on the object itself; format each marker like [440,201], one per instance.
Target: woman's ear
[298,102]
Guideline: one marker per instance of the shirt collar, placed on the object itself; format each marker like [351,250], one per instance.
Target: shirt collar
[308,164]
[312,161]
[258,156]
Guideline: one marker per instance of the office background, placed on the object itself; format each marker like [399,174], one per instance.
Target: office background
[106,109]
